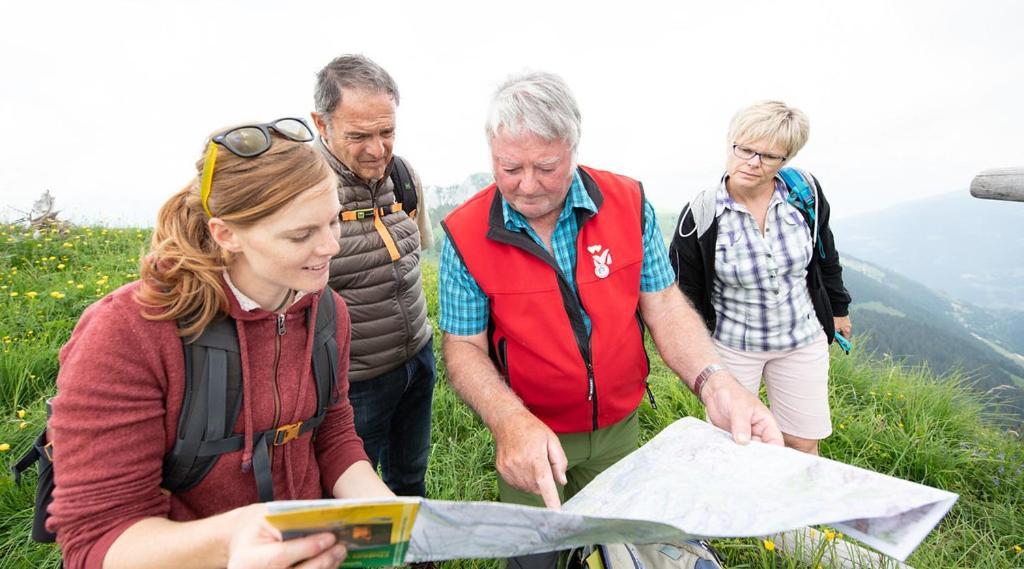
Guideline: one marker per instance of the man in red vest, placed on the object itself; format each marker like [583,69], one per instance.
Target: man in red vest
[548,278]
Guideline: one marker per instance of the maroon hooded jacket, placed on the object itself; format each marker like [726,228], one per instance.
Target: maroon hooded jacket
[120,391]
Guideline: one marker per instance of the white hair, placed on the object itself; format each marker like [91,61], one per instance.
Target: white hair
[535,102]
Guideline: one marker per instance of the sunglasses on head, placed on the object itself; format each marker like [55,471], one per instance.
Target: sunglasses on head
[248,141]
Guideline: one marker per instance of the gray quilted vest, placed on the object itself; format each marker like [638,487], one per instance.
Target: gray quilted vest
[384,296]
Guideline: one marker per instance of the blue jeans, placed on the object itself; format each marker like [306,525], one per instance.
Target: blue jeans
[392,414]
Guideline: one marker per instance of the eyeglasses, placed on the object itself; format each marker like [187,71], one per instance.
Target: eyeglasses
[745,153]
[246,142]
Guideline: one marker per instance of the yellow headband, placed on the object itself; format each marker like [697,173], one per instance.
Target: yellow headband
[207,179]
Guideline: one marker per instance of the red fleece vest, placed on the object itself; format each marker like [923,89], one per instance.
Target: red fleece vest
[572,382]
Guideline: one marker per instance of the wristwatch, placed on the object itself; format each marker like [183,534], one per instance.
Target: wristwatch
[702,378]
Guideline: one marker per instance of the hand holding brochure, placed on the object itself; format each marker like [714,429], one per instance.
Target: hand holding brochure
[376,532]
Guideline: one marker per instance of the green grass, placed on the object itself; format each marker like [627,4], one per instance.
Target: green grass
[901,421]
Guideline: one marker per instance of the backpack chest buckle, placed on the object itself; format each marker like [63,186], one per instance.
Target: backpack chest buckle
[287,433]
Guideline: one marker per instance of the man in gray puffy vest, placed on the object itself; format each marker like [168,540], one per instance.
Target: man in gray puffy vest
[384,224]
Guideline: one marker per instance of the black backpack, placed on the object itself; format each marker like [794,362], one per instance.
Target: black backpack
[212,402]
[405,189]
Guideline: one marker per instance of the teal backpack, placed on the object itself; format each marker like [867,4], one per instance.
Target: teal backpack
[802,197]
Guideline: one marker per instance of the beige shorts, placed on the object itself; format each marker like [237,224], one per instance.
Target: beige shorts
[796,381]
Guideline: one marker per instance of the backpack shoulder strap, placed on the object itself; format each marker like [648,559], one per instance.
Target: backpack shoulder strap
[801,193]
[325,356]
[211,403]
[405,188]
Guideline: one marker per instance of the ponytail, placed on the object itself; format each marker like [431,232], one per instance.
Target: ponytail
[181,275]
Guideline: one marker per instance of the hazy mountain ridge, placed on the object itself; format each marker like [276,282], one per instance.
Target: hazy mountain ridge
[445,198]
[441,200]
[968,248]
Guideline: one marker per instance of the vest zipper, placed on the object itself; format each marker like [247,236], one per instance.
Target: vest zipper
[590,382]
[405,313]
[277,360]
[397,274]
[592,396]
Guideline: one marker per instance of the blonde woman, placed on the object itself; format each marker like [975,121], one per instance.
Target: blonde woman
[756,257]
[249,238]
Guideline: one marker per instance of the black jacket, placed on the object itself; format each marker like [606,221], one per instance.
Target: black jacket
[693,259]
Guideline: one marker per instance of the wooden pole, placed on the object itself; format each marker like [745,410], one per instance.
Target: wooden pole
[1005,184]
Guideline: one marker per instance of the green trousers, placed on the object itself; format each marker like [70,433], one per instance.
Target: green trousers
[588,455]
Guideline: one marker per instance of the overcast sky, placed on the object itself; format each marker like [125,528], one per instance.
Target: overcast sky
[107,103]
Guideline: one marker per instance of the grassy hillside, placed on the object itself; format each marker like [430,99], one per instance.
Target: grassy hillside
[895,315]
[892,419]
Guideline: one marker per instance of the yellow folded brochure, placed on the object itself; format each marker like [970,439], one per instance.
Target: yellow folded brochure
[376,532]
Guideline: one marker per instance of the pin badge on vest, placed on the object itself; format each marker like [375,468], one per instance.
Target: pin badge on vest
[601,260]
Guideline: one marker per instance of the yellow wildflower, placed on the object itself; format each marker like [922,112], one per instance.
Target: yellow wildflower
[52,258]
[80,286]
[21,413]
[4,447]
[769,545]
[22,424]
[830,534]
[31,294]
[57,294]
[60,266]
[1018,549]
[15,293]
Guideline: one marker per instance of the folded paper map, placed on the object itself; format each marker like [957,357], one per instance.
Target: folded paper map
[690,481]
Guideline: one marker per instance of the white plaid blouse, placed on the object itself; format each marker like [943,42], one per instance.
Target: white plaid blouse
[760,291]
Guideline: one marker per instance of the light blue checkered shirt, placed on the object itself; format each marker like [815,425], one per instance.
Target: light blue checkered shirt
[464,306]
